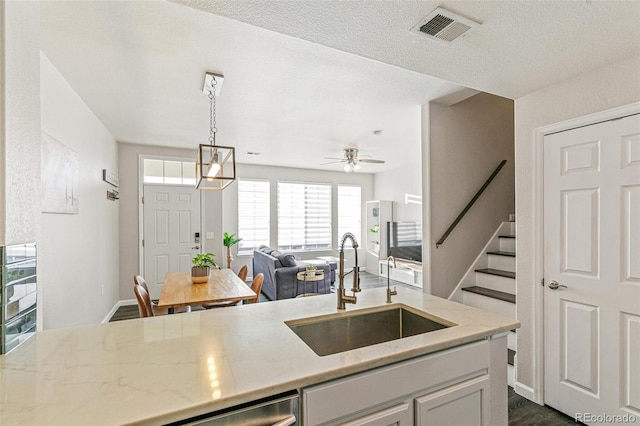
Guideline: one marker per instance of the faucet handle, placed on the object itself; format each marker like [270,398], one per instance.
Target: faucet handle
[394,292]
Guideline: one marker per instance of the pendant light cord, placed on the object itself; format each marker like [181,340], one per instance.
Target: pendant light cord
[212,113]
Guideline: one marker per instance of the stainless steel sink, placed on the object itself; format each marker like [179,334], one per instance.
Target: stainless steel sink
[334,333]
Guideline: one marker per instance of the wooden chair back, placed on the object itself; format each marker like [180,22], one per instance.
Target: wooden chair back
[144,301]
[256,286]
[242,273]
[138,280]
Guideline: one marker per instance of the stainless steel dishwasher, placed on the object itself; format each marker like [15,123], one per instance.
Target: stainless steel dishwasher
[280,410]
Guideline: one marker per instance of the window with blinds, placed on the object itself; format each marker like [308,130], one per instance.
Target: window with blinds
[349,212]
[304,216]
[253,214]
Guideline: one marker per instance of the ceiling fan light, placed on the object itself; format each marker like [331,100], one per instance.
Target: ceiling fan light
[356,167]
[348,167]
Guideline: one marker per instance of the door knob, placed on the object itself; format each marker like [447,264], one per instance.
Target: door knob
[553,285]
[195,248]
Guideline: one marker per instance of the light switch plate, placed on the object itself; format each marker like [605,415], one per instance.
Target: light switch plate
[210,235]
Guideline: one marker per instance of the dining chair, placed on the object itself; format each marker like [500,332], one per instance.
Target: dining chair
[144,301]
[242,273]
[139,281]
[256,286]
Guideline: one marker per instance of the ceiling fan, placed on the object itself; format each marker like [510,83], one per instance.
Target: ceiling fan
[352,160]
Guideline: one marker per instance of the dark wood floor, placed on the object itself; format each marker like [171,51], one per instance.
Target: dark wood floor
[522,412]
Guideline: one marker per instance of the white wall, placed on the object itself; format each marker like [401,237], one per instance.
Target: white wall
[609,87]
[19,122]
[466,142]
[274,174]
[78,254]
[394,184]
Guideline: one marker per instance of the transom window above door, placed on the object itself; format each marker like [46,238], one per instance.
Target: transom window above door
[169,172]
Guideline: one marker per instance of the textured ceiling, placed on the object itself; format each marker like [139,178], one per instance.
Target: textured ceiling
[521,47]
[305,79]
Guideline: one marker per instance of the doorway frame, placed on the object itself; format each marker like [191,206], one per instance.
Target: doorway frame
[537,393]
[141,158]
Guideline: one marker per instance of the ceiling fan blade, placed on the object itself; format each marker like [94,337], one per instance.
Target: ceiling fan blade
[334,158]
[332,162]
[367,160]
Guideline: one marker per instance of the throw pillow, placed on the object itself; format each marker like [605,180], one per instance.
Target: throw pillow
[276,253]
[288,260]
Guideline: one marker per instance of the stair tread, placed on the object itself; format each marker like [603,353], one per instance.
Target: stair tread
[498,272]
[495,294]
[511,354]
[503,253]
[506,236]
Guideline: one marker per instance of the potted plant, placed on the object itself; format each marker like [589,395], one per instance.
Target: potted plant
[201,265]
[230,241]
[311,270]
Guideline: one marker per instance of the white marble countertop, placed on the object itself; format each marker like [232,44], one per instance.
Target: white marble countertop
[162,369]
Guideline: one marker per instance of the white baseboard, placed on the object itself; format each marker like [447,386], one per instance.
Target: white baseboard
[527,392]
[119,303]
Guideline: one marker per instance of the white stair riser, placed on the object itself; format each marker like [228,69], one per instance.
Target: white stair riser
[494,282]
[490,304]
[511,375]
[511,341]
[504,263]
[507,244]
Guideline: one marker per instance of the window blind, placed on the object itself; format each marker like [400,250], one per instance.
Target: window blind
[253,214]
[304,216]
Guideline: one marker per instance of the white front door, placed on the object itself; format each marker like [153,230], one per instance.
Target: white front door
[592,246]
[171,220]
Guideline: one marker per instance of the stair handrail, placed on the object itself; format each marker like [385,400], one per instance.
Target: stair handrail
[470,203]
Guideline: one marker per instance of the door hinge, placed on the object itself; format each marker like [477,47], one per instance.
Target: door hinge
[142,243]
[542,282]
[142,200]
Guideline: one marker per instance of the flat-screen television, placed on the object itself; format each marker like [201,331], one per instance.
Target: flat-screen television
[404,240]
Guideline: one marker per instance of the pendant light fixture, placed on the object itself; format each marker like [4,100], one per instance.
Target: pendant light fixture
[216,164]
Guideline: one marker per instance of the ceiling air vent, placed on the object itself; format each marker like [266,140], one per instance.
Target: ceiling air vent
[444,26]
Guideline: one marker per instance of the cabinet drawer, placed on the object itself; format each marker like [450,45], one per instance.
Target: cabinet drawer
[328,401]
[463,404]
[400,415]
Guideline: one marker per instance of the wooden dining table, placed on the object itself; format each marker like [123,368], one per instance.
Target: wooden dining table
[223,286]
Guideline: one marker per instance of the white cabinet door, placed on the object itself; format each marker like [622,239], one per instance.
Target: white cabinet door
[464,404]
[398,415]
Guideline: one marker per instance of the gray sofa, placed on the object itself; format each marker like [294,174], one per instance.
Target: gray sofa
[280,281]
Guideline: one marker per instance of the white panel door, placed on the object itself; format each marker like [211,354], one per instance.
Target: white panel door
[592,246]
[171,219]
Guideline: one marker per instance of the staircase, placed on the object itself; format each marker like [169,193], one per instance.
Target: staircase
[490,283]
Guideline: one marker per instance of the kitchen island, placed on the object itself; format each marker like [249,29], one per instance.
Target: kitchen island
[163,369]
